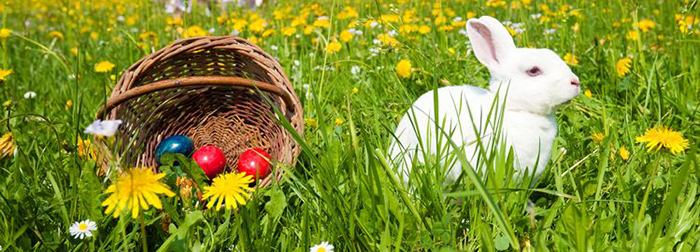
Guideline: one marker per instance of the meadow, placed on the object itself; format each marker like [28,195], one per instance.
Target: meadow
[623,175]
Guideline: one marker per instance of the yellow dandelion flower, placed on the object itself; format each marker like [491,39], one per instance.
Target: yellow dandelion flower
[289,31]
[622,67]
[446,28]
[7,145]
[173,21]
[386,39]
[268,32]
[221,19]
[56,34]
[597,137]
[135,189]
[403,68]
[322,23]
[4,73]
[588,94]
[311,122]
[338,121]
[258,25]
[348,12]
[5,33]
[69,104]
[624,153]
[408,28]
[298,21]
[355,90]
[308,30]
[104,66]
[148,36]
[194,31]
[423,29]
[511,31]
[130,21]
[346,36]
[663,137]
[333,47]
[185,186]
[645,25]
[389,18]
[228,189]
[86,149]
[632,35]
[571,59]
[495,3]
[439,20]
[254,40]
[239,24]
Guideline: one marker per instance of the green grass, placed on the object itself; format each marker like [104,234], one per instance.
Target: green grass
[342,189]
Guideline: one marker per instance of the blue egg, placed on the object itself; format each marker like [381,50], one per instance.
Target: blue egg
[174,144]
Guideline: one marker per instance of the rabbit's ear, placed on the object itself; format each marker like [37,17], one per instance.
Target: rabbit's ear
[490,40]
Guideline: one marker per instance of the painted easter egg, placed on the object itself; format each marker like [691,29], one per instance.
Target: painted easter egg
[255,162]
[211,159]
[174,144]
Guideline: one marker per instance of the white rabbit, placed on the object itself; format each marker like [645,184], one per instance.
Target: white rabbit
[536,81]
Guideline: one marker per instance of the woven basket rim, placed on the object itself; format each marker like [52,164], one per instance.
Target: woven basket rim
[194,81]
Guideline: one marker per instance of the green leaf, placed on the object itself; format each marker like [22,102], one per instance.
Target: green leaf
[178,237]
[502,243]
[184,165]
[277,203]
[671,198]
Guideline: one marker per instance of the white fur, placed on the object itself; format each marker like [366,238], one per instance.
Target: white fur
[529,126]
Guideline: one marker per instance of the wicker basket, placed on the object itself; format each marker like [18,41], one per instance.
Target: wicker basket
[211,89]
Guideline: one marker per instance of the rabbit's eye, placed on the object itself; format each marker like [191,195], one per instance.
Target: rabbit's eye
[534,71]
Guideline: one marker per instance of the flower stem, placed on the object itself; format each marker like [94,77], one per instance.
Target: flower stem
[654,169]
[144,245]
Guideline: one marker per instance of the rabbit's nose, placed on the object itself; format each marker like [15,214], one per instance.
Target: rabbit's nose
[575,82]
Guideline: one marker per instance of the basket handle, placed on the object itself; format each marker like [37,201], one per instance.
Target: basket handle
[194,81]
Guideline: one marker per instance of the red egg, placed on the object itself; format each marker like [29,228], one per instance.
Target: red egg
[211,159]
[255,161]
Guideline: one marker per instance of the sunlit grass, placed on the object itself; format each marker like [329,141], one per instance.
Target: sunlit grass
[357,67]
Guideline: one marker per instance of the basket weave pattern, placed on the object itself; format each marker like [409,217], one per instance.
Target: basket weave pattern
[211,89]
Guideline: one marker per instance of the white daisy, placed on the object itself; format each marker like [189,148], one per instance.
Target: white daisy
[29,95]
[103,128]
[80,230]
[355,70]
[178,5]
[307,88]
[323,247]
